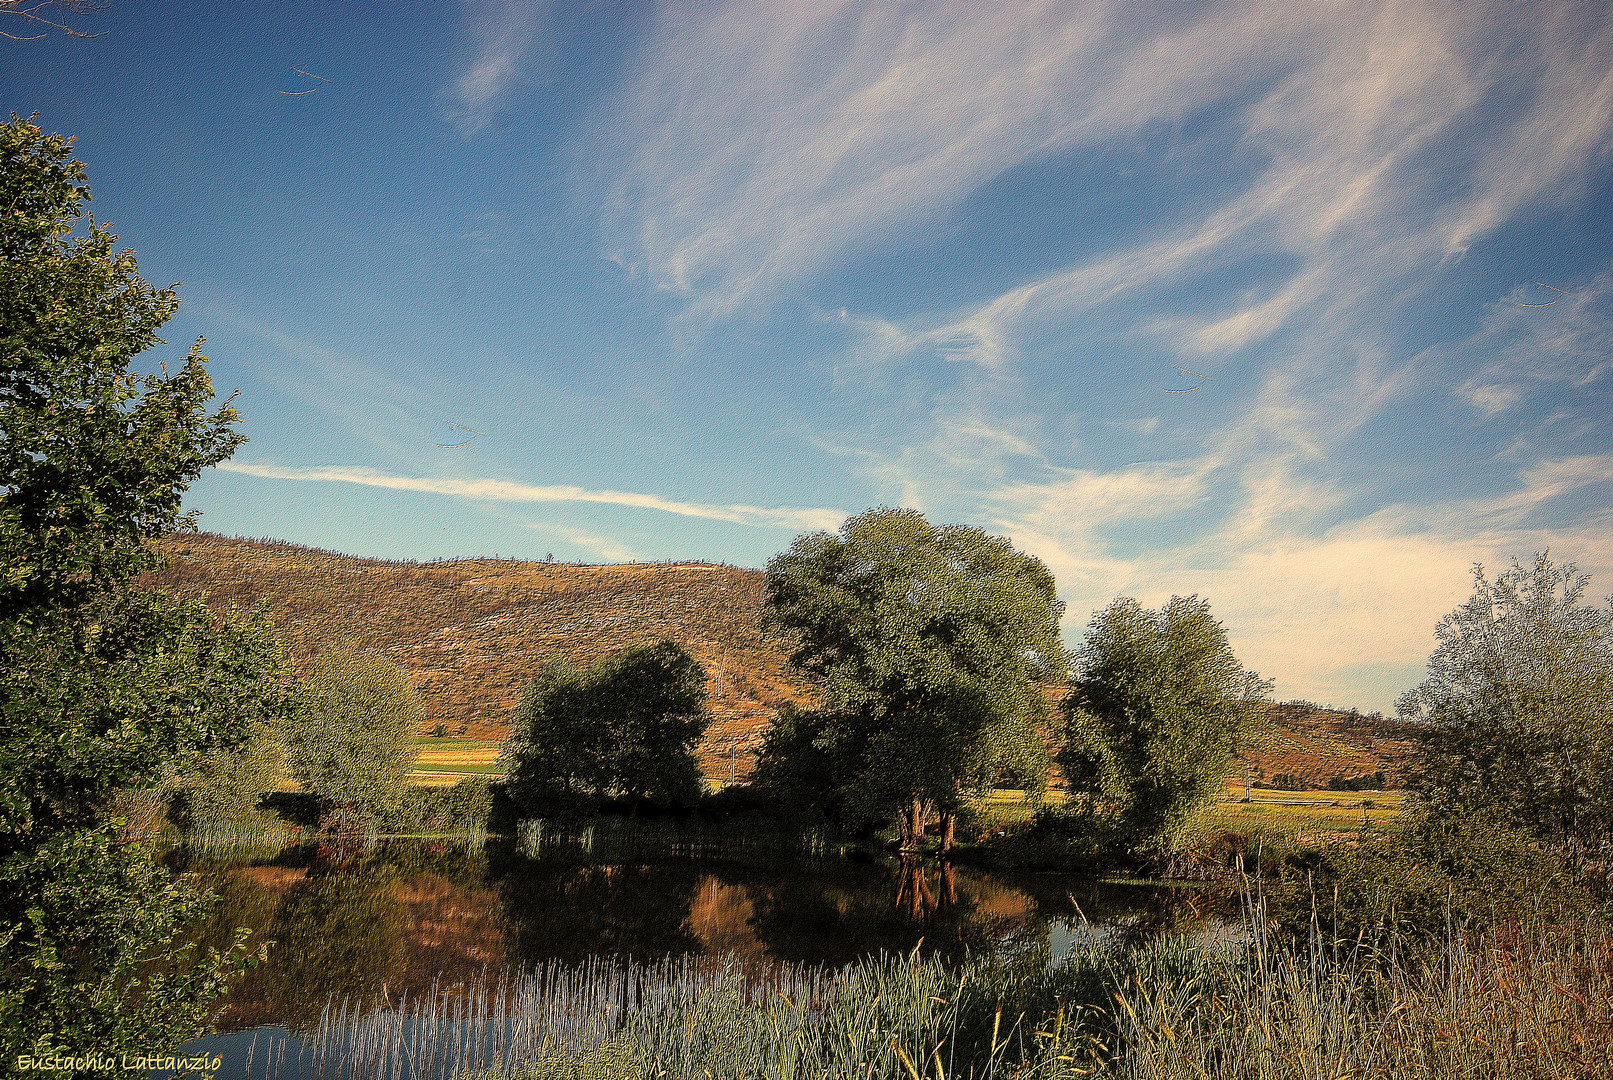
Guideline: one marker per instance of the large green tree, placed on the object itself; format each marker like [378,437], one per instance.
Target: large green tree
[103,685]
[351,742]
[931,645]
[624,728]
[1156,712]
[1516,714]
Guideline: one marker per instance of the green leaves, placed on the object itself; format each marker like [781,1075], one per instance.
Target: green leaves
[94,458]
[625,728]
[930,644]
[1517,708]
[102,686]
[351,741]
[1156,713]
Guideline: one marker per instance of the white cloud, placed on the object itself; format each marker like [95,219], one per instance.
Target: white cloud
[509,491]
[766,139]
[603,546]
[1315,607]
[1366,147]
[1493,398]
[502,32]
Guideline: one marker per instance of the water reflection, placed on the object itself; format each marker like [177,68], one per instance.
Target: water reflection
[405,916]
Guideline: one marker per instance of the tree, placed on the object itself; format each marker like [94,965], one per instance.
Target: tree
[1516,714]
[223,788]
[103,686]
[931,645]
[624,728]
[1157,710]
[351,742]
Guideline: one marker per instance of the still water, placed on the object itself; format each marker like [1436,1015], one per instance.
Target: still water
[373,925]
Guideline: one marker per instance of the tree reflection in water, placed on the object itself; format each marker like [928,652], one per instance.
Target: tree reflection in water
[376,923]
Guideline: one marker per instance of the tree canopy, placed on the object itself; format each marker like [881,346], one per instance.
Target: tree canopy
[624,728]
[102,685]
[1516,714]
[931,645]
[351,742]
[1157,710]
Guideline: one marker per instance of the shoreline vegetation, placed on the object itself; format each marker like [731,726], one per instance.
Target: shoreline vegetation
[1523,999]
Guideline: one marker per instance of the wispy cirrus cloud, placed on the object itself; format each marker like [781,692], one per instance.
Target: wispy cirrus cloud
[604,546]
[502,32]
[769,139]
[507,491]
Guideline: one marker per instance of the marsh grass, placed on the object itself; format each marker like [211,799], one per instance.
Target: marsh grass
[677,1017]
[1514,1003]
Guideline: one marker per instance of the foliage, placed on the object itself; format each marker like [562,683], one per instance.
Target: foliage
[617,1059]
[97,963]
[1516,714]
[1411,883]
[224,787]
[351,742]
[102,687]
[1157,711]
[930,645]
[624,728]
[465,806]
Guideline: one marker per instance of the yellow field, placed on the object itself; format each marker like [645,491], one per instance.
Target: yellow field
[447,761]
[1300,814]
[1294,814]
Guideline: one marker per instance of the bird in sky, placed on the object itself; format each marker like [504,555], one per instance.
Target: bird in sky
[1190,389]
[1553,288]
[305,74]
[461,427]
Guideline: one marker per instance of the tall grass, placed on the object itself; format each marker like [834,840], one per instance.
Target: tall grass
[1517,1004]
[677,1017]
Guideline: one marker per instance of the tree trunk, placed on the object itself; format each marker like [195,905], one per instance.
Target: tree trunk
[912,824]
[949,822]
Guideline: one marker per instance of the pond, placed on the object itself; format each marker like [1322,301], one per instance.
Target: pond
[406,918]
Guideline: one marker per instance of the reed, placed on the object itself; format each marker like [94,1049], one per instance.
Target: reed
[677,1017]
[1536,1004]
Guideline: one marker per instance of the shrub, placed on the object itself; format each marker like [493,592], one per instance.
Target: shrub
[1428,874]
[225,787]
[466,805]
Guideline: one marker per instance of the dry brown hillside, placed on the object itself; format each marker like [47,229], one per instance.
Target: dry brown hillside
[1314,745]
[471,632]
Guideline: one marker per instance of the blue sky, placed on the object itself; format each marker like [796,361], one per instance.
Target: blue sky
[705,276]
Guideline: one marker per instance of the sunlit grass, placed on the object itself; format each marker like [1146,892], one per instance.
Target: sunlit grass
[444,761]
[448,742]
[1533,1004]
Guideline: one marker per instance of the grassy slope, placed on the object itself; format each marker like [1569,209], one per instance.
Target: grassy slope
[471,632]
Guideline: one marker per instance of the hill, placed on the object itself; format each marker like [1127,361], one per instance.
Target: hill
[471,632]
[1300,745]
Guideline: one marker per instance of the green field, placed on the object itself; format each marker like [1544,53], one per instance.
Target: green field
[445,761]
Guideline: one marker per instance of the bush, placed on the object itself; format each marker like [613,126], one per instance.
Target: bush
[466,806]
[1425,876]
[224,789]
[1065,838]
